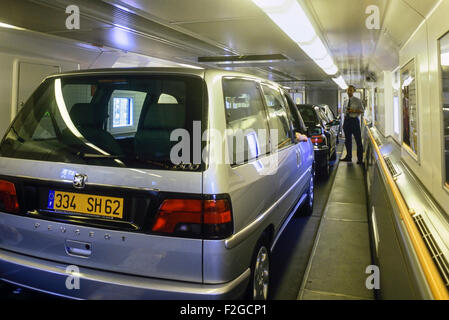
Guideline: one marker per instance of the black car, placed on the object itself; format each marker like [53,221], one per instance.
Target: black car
[330,116]
[323,134]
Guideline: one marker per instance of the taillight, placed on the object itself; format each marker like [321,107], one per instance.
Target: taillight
[317,139]
[8,197]
[209,219]
[217,223]
[174,213]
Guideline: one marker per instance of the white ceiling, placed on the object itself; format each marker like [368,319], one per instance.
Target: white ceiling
[356,48]
[183,30]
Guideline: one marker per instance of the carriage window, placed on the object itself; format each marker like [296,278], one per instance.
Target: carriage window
[396,104]
[122,112]
[125,107]
[444,49]
[409,109]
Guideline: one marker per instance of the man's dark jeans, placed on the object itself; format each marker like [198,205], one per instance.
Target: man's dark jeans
[352,127]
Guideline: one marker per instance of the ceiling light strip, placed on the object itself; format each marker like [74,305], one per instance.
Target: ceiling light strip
[9,26]
[341,82]
[292,19]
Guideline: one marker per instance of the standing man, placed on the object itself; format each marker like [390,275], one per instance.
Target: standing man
[352,109]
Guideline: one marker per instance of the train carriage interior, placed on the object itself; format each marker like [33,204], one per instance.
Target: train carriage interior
[224,149]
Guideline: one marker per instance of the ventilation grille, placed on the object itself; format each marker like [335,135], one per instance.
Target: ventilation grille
[391,167]
[435,251]
[378,142]
[376,138]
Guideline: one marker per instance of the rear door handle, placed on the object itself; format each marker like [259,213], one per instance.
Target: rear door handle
[78,248]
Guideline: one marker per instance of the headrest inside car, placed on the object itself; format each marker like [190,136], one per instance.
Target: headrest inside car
[85,115]
[165,116]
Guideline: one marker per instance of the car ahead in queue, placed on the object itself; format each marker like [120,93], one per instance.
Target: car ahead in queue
[323,134]
[151,184]
[332,118]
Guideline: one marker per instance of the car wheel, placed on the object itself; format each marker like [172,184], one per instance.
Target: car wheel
[259,285]
[307,208]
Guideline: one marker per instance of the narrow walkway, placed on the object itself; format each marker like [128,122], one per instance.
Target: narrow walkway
[341,253]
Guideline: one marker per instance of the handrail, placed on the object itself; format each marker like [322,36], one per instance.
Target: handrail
[434,280]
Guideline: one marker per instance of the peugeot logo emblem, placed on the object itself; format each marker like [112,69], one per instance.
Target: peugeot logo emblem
[79,181]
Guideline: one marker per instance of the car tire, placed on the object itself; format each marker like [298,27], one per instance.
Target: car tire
[259,284]
[307,207]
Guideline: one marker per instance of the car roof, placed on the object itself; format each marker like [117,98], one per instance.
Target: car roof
[167,70]
[107,71]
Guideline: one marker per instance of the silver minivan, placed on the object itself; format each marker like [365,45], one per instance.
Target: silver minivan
[151,184]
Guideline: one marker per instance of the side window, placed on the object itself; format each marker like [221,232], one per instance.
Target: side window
[298,123]
[45,129]
[245,120]
[277,112]
[125,107]
[444,49]
[46,122]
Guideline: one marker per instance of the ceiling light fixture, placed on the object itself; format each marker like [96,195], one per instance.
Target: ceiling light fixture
[9,26]
[292,19]
[341,82]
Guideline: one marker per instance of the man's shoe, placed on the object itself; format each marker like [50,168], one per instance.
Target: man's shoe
[359,162]
[346,159]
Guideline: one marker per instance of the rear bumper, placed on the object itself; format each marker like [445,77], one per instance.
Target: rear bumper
[321,156]
[50,277]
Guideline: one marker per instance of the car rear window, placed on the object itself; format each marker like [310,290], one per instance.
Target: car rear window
[308,115]
[119,120]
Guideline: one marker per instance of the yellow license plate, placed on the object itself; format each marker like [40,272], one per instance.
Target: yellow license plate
[85,203]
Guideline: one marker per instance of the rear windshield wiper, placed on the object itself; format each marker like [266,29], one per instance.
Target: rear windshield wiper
[99,156]
[163,164]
